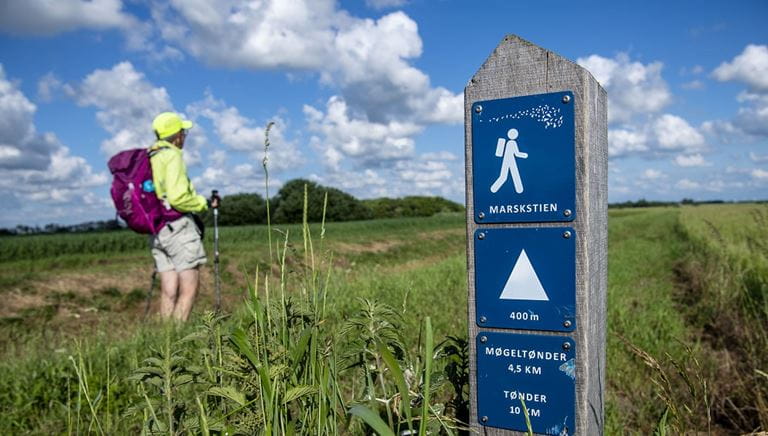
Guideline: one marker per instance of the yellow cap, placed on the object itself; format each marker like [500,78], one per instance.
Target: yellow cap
[169,123]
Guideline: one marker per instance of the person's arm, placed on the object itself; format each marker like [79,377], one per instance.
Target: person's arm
[179,190]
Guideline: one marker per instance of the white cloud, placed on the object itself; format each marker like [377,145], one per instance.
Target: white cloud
[693,84]
[653,174]
[750,67]
[759,174]
[674,133]
[269,34]
[424,175]
[36,170]
[622,142]
[419,176]
[383,4]
[656,137]
[247,177]
[125,111]
[687,184]
[758,158]
[633,88]
[243,134]
[48,86]
[693,160]
[375,77]
[749,123]
[753,119]
[368,61]
[365,141]
[21,146]
[45,17]
[218,158]
[439,155]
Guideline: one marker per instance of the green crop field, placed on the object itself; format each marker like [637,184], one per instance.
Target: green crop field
[349,327]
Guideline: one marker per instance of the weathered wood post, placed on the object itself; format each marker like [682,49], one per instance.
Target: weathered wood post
[537,226]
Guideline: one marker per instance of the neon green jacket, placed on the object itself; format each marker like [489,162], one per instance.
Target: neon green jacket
[169,174]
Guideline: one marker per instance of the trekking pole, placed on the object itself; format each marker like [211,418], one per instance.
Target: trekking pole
[149,293]
[215,197]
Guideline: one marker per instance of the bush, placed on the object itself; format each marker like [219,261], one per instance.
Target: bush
[289,204]
[241,209]
[411,206]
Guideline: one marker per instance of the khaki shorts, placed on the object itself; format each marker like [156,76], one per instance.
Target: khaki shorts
[178,246]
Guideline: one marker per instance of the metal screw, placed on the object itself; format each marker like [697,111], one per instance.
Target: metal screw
[567,234]
[481,215]
[566,99]
[566,346]
[483,339]
[567,212]
[567,323]
[478,109]
[482,320]
[484,419]
[481,236]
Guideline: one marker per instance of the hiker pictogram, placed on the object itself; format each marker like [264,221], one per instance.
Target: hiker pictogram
[508,148]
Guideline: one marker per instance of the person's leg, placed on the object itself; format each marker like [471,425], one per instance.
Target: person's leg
[169,292]
[188,281]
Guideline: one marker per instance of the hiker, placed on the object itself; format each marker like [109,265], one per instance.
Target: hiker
[178,247]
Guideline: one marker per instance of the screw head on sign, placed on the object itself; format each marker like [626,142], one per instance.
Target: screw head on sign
[481,236]
[567,323]
[481,215]
[566,99]
[484,419]
[566,234]
[567,212]
[566,345]
[483,339]
[483,319]
[478,109]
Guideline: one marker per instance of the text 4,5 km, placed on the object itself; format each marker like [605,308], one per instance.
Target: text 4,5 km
[524,369]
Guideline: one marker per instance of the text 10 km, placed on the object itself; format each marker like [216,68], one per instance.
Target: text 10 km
[516,410]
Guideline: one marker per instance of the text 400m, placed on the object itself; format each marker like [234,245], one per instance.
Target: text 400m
[524,316]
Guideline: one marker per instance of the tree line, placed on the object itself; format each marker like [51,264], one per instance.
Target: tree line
[287,206]
[90,226]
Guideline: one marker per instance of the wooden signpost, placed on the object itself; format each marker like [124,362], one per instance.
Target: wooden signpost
[536,181]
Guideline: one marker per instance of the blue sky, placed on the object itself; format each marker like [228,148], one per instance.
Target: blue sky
[367,95]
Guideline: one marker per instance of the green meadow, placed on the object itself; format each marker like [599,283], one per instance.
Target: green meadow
[350,328]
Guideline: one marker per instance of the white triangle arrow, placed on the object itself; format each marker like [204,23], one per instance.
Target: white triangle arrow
[523,283]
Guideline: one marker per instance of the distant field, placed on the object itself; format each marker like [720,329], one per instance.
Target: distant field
[74,286]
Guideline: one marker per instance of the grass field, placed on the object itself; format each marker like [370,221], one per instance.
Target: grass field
[345,325]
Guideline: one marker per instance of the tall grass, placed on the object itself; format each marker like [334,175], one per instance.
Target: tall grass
[286,362]
[727,277]
[642,315]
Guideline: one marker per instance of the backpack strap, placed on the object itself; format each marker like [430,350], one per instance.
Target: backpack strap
[153,151]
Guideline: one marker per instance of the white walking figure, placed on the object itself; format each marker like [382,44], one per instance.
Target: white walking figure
[508,149]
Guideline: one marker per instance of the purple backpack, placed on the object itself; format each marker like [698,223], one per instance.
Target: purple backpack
[133,192]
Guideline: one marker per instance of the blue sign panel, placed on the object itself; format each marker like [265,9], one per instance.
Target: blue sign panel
[523,159]
[525,278]
[538,370]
